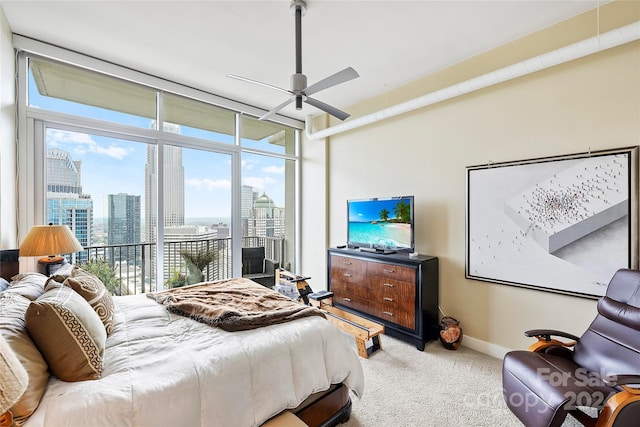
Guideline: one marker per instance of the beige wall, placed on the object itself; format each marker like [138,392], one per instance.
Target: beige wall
[591,103]
[7,139]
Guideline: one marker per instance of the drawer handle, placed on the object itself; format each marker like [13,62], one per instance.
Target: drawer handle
[388,285]
[388,270]
[388,299]
[347,275]
[388,313]
[346,262]
[346,299]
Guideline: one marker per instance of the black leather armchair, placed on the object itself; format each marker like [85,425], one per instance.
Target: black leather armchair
[257,267]
[599,370]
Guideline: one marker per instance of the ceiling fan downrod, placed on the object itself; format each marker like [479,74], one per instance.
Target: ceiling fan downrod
[298,80]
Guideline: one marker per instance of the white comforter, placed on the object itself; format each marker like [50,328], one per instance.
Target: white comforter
[161,369]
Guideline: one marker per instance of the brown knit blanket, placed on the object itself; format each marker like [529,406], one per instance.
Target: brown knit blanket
[233,305]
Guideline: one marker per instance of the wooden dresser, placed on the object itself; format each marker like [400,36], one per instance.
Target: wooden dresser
[396,290]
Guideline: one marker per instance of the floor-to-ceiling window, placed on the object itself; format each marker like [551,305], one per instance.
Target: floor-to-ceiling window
[151,180]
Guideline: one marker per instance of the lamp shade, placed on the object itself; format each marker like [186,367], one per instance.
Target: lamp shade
[13,377]
[49,240]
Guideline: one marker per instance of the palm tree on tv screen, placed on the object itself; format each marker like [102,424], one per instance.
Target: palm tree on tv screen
[384,214]
[402,211]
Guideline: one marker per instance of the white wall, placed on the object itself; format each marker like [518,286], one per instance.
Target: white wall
[7,139]
[591,103]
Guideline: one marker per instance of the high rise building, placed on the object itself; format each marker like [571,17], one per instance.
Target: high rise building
[123,217]
[66,204]
[173,194]
[248,196]
[266,219]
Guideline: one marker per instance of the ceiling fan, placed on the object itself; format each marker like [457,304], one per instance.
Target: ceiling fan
[300,92]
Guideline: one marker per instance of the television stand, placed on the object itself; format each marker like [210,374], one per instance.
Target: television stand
[397,291]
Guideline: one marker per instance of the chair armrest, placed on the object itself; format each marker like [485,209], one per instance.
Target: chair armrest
[622,379]
[545,334]
[270,266]
[545,343]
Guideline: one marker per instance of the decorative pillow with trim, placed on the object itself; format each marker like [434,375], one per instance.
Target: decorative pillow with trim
[13,307]
[29,285]
[68,333]
[93,290]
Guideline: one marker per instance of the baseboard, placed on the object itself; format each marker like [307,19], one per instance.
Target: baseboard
[484,347]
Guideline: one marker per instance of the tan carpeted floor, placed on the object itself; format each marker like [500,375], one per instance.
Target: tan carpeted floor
[434,388]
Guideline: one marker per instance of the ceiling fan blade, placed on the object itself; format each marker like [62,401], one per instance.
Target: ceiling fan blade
[327,108]
[244,79]
[274,110]
[334,79]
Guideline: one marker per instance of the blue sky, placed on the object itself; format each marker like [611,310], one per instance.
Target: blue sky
[369,210]
[111,166]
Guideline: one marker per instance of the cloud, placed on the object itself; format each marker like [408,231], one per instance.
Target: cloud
[209,184]
[276,170]
[85,143]
[254,181]
[247,164]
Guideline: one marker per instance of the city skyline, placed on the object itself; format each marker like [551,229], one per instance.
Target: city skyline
[117,166]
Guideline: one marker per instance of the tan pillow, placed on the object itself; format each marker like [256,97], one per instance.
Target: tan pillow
[29,285]
[68,333]
[92,289]
[13,329]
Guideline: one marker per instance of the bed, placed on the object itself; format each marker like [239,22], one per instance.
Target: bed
[164,369]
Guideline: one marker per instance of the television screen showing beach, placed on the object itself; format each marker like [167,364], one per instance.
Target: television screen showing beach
[380,223]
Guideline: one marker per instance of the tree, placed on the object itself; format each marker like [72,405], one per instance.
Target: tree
[384,214]
[100,268]
[196,263]
[402,211]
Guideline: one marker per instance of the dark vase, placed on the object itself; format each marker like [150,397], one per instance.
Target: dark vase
[450,333]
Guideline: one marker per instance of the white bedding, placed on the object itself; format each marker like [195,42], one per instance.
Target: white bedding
[162,369]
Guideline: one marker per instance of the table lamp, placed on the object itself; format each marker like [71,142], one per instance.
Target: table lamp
[49,240]
[13,382]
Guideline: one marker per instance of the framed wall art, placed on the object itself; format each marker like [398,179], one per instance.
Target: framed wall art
[561,224]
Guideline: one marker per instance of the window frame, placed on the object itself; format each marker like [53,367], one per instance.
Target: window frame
[32,123]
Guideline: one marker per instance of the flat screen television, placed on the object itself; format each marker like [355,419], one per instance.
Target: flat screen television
[384,224]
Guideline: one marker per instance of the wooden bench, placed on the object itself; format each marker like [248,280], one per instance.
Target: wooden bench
[363,330]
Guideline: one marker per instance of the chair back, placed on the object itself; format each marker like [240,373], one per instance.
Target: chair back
[611,345]
[253,260]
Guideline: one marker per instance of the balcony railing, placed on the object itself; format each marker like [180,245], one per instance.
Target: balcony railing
[135,269]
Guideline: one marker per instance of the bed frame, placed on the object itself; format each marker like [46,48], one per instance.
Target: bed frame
[326,409]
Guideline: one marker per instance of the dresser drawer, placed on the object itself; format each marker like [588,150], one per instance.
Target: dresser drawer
[398,272]
[348,270]
[396,300]
[339,284]
[361,304]
[393,312]
[396,289]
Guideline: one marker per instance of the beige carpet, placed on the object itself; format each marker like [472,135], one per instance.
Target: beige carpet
[437,387]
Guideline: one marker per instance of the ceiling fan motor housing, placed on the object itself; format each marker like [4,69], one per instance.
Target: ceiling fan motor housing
[298,83]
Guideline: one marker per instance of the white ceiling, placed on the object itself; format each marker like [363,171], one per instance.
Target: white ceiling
[197,43]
